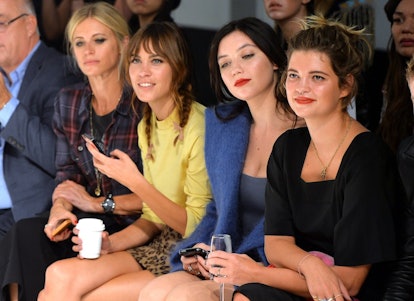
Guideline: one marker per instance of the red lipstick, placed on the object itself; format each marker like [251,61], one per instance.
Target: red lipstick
[304,100]
[241,82]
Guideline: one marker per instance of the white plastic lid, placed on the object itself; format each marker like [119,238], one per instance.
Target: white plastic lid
[91,224]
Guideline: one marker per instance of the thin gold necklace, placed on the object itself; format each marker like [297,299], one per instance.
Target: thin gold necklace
[325,168]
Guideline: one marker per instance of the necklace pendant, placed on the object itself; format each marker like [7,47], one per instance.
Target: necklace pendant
[323,174]
[98,190]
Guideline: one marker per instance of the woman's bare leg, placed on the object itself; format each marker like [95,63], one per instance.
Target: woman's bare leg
[126,287]
[159,288]
[14,292]
[73,278]
[206,290]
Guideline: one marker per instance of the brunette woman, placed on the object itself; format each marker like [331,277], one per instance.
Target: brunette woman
[333,189]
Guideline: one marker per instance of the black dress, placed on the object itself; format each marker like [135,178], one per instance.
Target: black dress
[351,218]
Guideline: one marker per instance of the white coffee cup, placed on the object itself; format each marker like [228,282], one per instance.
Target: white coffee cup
[90,232]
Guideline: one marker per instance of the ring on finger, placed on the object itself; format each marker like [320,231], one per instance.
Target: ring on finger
[219,274]
[190,268]
[334,297]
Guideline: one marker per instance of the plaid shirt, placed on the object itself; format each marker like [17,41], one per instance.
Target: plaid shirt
[71,120]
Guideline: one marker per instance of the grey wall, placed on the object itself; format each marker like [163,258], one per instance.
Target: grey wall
[382,26]
[213,14]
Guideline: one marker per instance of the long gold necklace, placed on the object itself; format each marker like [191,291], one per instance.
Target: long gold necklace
[98,175]
[325,167]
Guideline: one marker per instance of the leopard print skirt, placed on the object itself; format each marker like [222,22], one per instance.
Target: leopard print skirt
[155,255]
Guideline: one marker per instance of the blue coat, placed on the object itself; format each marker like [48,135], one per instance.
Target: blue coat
[29,154]
[225,151]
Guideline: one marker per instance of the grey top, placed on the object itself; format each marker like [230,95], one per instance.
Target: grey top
[252,201]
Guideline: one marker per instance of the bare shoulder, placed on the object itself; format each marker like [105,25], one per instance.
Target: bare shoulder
[356,128]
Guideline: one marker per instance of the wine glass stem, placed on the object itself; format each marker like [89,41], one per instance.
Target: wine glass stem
[221,291]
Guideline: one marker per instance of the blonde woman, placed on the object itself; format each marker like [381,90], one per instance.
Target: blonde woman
[174,186]
[101,107]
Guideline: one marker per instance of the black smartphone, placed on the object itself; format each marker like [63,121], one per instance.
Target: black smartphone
[93,140]
[188,252]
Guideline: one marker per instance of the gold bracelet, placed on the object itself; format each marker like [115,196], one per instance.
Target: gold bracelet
[300,262]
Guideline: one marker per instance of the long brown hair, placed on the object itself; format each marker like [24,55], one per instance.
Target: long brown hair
[397,121]
[167,41]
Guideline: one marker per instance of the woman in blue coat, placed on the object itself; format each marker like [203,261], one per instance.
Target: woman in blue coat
[245,64]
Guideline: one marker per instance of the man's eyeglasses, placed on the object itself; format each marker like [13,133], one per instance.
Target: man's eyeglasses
[4,25]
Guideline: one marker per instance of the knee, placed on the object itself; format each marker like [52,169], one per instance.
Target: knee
[58,275]
[162,287]
[155,290]
[191,291]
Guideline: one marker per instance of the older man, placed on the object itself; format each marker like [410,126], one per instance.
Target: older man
[32,74]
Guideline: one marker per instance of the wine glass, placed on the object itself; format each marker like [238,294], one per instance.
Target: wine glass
[221,242]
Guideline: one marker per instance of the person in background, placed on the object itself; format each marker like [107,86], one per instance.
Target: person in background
[397,119]
[100,107]
[246,63]
[361,15]
[333,195]
[174,186]
[401,285]
[54,15]
[286,14]
[31,76]
[145,12]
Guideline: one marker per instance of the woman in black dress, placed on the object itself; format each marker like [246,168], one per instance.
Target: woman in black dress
[332,187]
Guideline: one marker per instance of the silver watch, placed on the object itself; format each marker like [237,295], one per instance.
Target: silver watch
[108,204]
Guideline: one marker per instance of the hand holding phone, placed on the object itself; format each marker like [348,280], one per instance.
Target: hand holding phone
[89,138]
[61,227]
[188,252]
